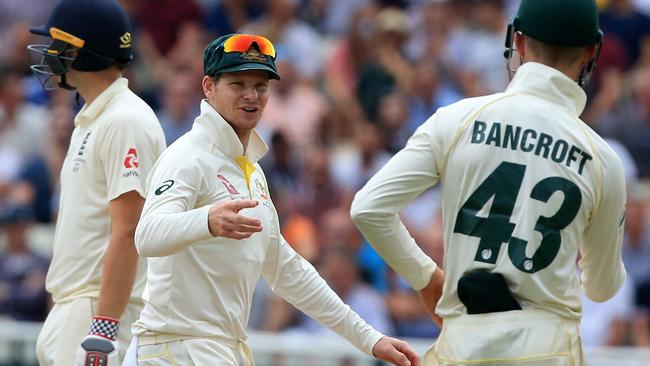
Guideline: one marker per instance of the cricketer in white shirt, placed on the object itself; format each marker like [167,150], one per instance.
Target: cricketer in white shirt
[200,286]
[526,187]
[116,141]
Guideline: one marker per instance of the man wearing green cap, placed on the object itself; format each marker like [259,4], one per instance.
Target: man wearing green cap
[527,188]
[210,230]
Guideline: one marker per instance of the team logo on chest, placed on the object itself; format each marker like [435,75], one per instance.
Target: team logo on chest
[80,158]
[260,190]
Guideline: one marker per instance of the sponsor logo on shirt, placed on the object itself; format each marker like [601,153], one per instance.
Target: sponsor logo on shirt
[79,158]
[229,187]
[131,159]
[164,187]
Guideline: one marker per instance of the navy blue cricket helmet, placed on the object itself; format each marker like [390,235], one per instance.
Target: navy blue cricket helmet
[87,35]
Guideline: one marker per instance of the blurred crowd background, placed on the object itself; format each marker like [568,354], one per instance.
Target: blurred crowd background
[358,77]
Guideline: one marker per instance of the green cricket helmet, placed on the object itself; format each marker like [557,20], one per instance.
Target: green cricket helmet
[566,23]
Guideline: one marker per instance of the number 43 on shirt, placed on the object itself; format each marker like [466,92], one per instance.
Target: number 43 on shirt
[504,184]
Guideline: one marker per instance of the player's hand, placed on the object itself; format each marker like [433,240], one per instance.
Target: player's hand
[99,347]
[431,293]
[396,352]
[225,221]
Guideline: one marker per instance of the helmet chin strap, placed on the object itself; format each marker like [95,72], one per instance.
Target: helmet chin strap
[587,70]
[64,84]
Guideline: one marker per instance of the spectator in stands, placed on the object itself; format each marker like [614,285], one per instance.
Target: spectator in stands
[629,120]
[477,52]
[282,26]
[636,242]
[161,20]
[37,186]
[641,324]
[295,106]
[392,118]
[333,17]
[229,16]
[433,21]
[281,166]
[180,98]
[317,192]
[429,92]
[22,271]
[387,70]
[21,123]
[622,20]
[344,62]
[352,166]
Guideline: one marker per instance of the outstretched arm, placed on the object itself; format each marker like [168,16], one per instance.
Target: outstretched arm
[294,279]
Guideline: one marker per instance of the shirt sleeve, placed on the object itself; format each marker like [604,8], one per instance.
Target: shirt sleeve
[376,207]
[602,264]
[127,154]
[170,221]
[297,281]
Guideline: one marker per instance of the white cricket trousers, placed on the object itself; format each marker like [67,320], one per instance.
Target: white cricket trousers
[68,323]
[175,350]
[522,338]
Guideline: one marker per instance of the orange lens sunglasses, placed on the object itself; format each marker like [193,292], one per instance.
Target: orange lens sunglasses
[243,42]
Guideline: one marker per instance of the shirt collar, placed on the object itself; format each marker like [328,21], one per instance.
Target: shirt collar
[222,136]
[549,83]
[90,112]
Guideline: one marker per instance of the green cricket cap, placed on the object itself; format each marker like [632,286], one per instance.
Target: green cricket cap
[571,23]
[239,52]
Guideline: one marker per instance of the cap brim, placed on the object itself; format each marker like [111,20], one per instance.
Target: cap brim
[252,66]
[40,30]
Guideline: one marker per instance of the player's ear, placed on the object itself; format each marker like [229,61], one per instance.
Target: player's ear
[208,86]
[588,55]
[520,44]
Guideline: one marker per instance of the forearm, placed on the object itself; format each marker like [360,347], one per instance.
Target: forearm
[327,308]
[302,286]
[120,267]
[376,207]
[162,234]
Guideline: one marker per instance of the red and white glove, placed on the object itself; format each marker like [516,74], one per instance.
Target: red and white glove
[99,347]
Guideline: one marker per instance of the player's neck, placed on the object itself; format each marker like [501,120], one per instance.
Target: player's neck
[571,71]
[92,84]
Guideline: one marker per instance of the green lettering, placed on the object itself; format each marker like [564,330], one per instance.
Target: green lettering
[478,134]
[524,137]
[544,142]
[511,137]
[495,135]
[585,157]
[572,157]
[559,151]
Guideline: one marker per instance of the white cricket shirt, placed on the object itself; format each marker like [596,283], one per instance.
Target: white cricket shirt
[202,286]
[116,141]
[526,185]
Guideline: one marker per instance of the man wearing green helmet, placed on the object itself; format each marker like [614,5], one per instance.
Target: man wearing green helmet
[527,189]
[210,231]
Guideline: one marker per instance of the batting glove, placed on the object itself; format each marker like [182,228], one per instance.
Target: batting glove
[99,347]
